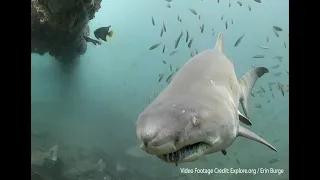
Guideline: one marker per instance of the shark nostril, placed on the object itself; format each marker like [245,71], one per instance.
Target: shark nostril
[148,133]
[176,141]
[145,143]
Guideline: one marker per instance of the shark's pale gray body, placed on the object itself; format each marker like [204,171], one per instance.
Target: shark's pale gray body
[197,113]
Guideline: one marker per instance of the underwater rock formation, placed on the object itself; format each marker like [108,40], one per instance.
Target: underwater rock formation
[58,26]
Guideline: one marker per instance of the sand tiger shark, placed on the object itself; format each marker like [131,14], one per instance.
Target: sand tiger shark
[197,113]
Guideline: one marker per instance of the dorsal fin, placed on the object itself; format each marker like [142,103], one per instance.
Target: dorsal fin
[54,152]
[101,165]
[219,43]
[247,83]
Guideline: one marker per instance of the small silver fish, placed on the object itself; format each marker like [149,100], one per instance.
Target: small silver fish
[161,32]
[257,105]
[169,77]
[173,52]
[202,28]
[240,4]
[271,83]
[279,58]
[239,40]
[160,77]
[153,23]
[275,33]
[194,12]
[272,161]
[276,66]
[164,27]
[191,54]
[277,28]
[190,43]
[270,88]
[187,38]
[279,85]
[238,162]
[277,74]
[154,46]
[264,47]
[178,40]
[282,90]
[275,141]
[258,56]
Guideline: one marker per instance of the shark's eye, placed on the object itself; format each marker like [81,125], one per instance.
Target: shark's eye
[195,121]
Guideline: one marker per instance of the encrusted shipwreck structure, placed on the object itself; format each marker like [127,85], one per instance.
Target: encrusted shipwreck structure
[58,26]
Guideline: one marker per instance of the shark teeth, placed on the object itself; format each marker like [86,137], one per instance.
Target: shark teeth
[182,153]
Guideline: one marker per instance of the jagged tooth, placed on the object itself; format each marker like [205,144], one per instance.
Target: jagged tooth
[172,157]
[180,155]
[174,147]
[168,157]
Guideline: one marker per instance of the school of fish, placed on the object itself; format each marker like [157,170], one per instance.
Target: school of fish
[275,33]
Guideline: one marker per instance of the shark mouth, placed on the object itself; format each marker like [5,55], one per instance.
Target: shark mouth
[184,152]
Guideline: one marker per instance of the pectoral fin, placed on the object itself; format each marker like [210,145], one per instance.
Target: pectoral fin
[251,135]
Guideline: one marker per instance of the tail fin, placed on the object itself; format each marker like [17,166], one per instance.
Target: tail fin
[101,165]
[110,33]
[247,83]
[54,152]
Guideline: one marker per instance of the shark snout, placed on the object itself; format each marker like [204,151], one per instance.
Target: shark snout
[147,135]
[153,141]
